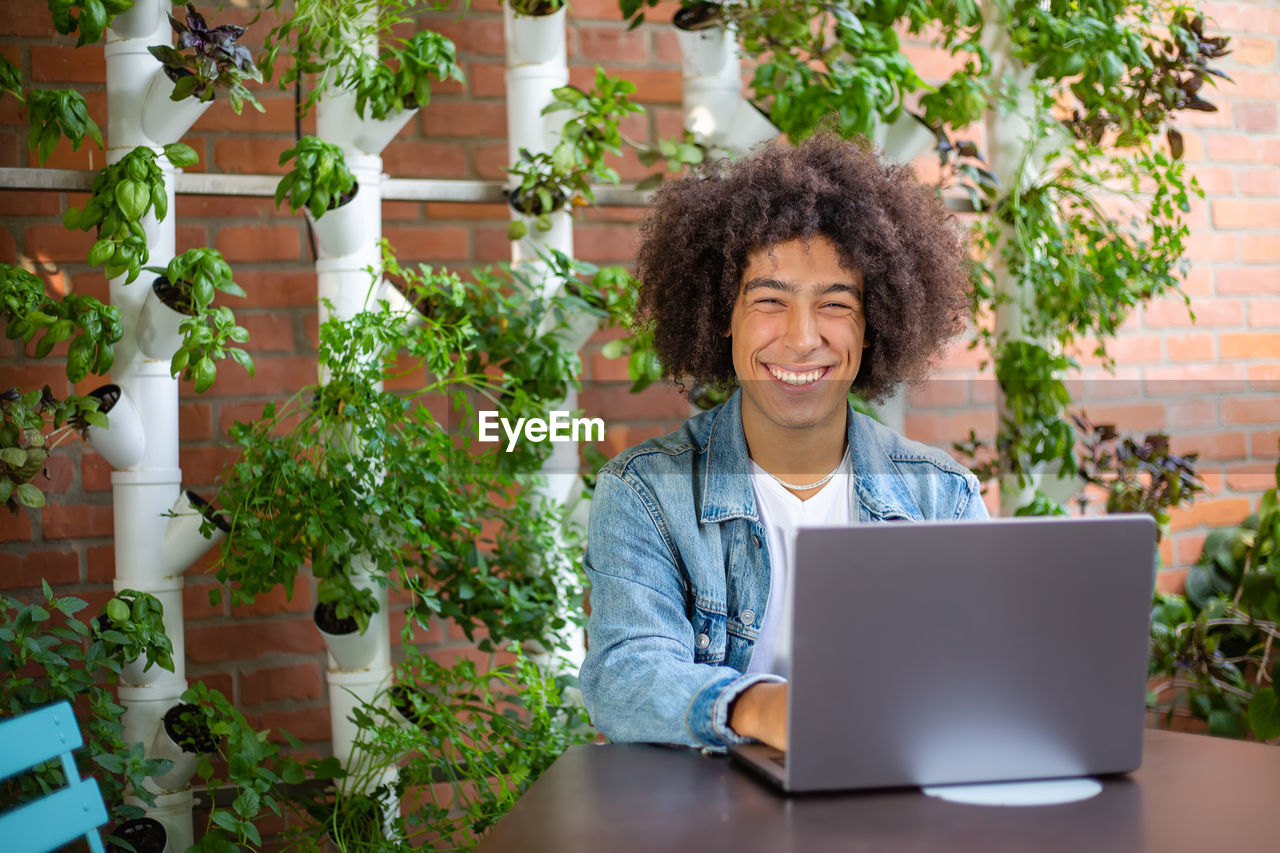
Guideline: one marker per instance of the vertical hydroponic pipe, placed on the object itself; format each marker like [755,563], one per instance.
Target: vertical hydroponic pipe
[348,281]
[536,65]
[143,493]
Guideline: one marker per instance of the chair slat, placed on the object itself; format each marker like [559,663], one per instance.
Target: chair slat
[37,736]
[50,822]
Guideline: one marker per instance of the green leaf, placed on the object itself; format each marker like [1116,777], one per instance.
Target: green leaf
[204,373]
[181,155]
[29,496]
[132,197]
[1264,713]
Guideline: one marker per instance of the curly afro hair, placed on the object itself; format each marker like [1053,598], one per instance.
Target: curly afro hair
[912,254]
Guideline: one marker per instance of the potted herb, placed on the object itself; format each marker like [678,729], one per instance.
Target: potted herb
[533,30]
[55,113]
[206,59]
[132,628]
[548,180]
[343,621]
[250,764]
[122,195]
[323,187]
[177,322]
[94,16]
[28,312]
[388,89]
[184,736]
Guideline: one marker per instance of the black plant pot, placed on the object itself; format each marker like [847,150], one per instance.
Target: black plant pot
[698,16]
[186,727]
[207,512]
[518,201]
[147,835]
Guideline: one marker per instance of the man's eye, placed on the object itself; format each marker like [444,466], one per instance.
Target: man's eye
[838,306]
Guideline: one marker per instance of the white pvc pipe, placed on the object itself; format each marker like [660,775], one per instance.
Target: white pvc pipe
[347,276]
[141,496]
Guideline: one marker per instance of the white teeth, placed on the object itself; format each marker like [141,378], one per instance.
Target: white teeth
[792,378]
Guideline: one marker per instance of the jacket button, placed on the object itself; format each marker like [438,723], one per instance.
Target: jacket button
[702,641]
[748,617]
[755,540]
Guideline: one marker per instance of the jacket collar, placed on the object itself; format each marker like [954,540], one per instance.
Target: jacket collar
[877,483]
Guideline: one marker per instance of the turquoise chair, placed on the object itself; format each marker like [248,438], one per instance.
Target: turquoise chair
[67,813]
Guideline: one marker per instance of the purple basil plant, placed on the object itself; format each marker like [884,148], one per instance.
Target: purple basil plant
[206,59]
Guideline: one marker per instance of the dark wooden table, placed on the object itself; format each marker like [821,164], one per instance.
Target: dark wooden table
[1193,793]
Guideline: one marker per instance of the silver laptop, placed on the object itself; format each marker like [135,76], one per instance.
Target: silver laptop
[964,652]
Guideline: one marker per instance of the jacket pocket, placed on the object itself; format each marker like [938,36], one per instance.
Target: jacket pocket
[708,634]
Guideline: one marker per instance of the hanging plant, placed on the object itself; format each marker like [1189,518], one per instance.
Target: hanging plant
[319,179]
[122,194]
[207,59]
[91,18]
[187,286]
[55,113]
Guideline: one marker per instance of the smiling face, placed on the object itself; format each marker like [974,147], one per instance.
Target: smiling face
[798,330]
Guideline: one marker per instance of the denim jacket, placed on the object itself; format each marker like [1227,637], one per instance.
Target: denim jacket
[679,568]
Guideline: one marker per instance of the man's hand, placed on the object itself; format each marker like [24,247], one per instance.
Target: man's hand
[760,712]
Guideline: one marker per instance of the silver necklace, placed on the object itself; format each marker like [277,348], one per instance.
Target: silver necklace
[798,488]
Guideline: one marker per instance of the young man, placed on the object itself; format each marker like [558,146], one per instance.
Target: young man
[794,275]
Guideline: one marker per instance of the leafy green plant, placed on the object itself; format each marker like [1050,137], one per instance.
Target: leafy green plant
[55,113]
[10,79]
[1216,650]
[93,330]
[319,179]
[246,761]
[92,17]
[48,655]
[207,59]
[29,313]
[474,742]
[400,79]
[547,180]
[132,627]
[1141,476]
[122,194]
[328,38]
[207,334]
[346,475]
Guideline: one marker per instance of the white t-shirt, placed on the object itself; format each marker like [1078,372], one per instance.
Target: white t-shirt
[781,513]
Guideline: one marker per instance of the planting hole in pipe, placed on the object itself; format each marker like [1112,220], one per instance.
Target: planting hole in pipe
[183,736]
[699,16]
[145,834]
[124,440]
[340,231]
[185,536]
[159,322]
[351,649]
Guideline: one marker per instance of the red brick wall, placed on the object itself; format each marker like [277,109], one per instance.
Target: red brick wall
[1214,385]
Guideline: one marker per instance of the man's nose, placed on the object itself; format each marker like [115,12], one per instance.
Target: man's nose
[802,332]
